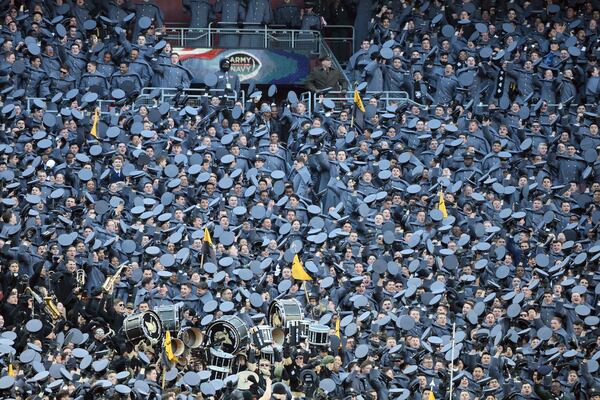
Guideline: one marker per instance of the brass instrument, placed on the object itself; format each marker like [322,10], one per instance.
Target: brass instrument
[48,303]
[109,283]
[80,277]
[51,308]
[36,297]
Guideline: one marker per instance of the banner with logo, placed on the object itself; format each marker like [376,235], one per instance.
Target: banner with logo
[263,66]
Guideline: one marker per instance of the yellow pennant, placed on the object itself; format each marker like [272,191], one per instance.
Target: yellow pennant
[168,349]
[442,205]
[94,131]
[298,271]
[358,101]
[207,237]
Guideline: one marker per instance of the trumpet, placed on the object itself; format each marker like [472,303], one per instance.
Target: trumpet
[109,283]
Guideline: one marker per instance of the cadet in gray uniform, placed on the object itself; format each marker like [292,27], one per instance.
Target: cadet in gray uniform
[62,81]
[150,10]
[258,13]
[288,14]
[124,79]
[202,14]
[93,81]
[38,82]
[173,74]
[311,21]
[232,12]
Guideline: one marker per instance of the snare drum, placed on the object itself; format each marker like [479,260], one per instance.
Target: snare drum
[303,327]
[318,335]
[142,326]
[283,311]
[218,372]
[229,333]
[263,336]
[221,359]
[298,330]
[169,317]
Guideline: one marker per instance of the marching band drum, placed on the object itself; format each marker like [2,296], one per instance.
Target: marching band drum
[169,316]
[224,341]
[298,330]
[229,333]
[221,359]
[318,335]
[218,372]
[268,353]
[143,326]
[282,311]
[262,336]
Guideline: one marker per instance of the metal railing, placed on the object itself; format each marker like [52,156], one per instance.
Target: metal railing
[340,38]
[256,35]
[331,33]
[195,96]
[347,97]
[105,105]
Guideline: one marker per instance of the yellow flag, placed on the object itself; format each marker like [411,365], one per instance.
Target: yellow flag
[337,329]
[11,371]
[207,237]
[298,271]
[168,349]
[358,101]
[94,131]
[442,205]
[431,396]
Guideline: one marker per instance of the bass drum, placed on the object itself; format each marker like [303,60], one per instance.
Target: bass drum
[228,333]
[169,317]
[143,326]
[282,311]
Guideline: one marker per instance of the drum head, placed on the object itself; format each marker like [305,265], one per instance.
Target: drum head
[281,312]
[152,326]
[226,338]
[230,334]
[146,325]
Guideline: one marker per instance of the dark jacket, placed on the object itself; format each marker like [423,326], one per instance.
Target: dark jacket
[320,78]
